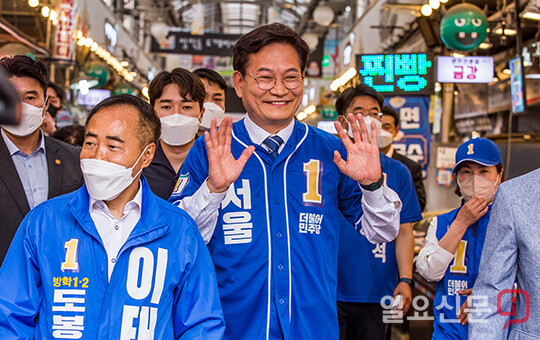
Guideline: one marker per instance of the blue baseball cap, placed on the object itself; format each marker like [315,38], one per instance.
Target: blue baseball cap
[479,150]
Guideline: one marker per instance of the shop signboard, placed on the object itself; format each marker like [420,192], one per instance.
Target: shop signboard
[397,74]
[180,42]
[414,125]
[63,43]
[516,85]
[465,70]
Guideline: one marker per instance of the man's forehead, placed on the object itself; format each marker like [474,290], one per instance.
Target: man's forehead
[26,84]
[365,102]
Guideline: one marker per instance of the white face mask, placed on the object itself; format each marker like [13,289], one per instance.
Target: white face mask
[105,180]
[211,110]
[31,120]
[177,129]
[478,186]
[367,120]
[385,139]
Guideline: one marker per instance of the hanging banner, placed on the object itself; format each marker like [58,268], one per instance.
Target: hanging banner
[186,43]
[63,43]
[414,127]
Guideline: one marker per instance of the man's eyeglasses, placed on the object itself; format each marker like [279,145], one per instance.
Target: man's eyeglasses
[266,83]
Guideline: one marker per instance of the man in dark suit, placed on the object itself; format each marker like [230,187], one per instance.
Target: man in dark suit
[33,166]
[390,123]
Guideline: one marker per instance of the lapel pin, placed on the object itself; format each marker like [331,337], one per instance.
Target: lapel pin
[57,161]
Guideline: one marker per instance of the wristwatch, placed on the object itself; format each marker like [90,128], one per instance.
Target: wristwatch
[374,186]
[407,280]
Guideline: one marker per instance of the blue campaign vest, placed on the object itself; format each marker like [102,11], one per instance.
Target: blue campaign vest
[275,246]
[460,274]
[367,272]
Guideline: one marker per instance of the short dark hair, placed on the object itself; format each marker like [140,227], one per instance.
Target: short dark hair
[213,77]
[21,66]
[59,91]
[188,82]
[71,134]
[262,36]
[388,110]
[149,124]
[359,90]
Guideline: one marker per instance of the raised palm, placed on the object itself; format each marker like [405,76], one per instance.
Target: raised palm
[363,163]
[223,168]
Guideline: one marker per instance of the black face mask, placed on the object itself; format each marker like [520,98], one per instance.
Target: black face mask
[53,110]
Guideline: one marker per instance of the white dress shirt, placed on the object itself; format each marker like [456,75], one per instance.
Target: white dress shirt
[433,260]
[203,206]
[115,232]
[32,169]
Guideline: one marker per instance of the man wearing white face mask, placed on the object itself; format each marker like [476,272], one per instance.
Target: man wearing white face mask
[454,241]
[34,167]
[177,98]
[385,269]
[214,103]
[137,266]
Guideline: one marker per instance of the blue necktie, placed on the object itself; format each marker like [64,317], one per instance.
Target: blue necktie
[273,143]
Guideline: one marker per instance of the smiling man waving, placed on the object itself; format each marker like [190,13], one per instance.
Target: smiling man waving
[267,193]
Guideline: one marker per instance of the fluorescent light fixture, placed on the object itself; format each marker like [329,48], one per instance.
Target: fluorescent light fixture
[301,115]
[310,109]
[507,31]
[485,46]
[531,15]
[348,75]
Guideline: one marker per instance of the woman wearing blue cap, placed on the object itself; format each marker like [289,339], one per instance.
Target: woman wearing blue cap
[454,241]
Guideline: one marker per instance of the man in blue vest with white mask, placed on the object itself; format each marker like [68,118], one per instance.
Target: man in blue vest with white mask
[110,260]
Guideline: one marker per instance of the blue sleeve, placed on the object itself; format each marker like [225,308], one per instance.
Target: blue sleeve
[193,172]
[410,211]
[20,284]
[350,195]
[197,310]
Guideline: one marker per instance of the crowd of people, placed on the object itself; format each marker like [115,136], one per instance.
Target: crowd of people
[273,229]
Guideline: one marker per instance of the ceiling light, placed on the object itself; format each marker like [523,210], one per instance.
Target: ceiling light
[53,15]
[33,3]
[457,55]
[124,63]
[323,15]
[506,71]
[310,109]
[89,41]
[94,47]
[159,30]
[348,75]
[435,4]
[45,10]
[485,46]
[507,31]
[426,10]
[443,1]
[301,115]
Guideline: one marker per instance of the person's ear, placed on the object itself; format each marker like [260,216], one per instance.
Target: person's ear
[148,155]
[238,81]
[344,123]
[202,114]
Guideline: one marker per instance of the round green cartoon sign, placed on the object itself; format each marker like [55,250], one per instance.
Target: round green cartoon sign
[464,27]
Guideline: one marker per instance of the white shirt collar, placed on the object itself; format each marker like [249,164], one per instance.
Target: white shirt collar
[135,203]
[12,148]
[258,134]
